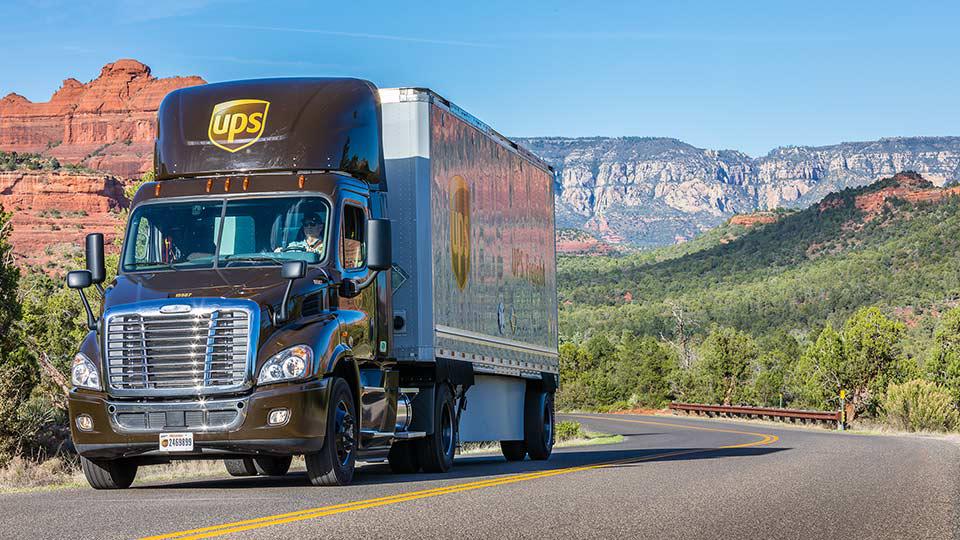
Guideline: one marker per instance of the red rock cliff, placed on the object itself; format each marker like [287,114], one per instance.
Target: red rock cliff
[54,210]
[107,124]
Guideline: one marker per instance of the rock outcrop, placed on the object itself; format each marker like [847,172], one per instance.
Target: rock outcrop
[107,124]
[54,210]
[655,191]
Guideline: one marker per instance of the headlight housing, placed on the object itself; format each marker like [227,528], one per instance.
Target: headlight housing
[287,365]
[83,373]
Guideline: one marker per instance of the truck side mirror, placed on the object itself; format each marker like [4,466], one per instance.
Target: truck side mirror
[292,271]
[95,265]
[80,280]
[379,248]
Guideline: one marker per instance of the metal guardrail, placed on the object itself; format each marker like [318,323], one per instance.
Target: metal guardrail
[792,415]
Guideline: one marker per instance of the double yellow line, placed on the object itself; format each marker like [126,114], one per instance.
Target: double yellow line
[313,513]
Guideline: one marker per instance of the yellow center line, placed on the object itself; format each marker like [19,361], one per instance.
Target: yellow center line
[313,513]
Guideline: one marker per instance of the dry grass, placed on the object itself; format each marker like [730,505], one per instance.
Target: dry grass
[27,475]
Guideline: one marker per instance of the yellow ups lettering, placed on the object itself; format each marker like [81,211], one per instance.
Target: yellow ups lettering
[237,124]
[460,230]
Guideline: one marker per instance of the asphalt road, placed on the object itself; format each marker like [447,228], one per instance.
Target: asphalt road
[672,477]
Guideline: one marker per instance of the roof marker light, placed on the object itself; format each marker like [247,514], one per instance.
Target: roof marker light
[226,184]
[209,185]
[300,181]
[246,182]
[156,191]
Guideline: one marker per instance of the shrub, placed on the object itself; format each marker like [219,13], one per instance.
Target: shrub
[568,430]
[919,405]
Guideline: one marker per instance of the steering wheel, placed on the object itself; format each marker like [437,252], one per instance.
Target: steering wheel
[293,248]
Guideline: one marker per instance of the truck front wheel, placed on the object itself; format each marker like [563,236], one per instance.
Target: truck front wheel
[334,464]
[240,467]
[437,449]
[108,474]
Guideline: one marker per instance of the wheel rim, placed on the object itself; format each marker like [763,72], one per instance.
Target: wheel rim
[547,426]
[446,431]
[343,433]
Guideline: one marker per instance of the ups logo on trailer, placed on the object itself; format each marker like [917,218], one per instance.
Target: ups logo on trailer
[460,230]
[235,125]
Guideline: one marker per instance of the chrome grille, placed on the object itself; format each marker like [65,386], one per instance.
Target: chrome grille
[202,348]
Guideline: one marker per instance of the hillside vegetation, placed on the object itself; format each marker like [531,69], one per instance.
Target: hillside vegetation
[733,312]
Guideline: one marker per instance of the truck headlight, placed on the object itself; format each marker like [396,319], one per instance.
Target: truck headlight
[84,374]
[287,365]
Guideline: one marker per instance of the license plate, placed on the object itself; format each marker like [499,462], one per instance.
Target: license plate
[176,442]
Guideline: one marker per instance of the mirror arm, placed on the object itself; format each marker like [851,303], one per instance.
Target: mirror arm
[357,286]
[100,290]
[281,315]
[91,320]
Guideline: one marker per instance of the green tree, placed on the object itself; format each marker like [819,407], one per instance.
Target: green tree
[874,357]
[943,364]
[726,356]
[18,375]
[819,374]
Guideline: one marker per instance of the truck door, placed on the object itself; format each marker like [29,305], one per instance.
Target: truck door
[358,313]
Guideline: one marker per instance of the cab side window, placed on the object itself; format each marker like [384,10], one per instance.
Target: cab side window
[353,247]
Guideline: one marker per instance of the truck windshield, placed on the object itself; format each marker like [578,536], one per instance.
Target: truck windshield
[226,233]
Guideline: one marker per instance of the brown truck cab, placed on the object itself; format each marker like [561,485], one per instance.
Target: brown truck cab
[252,318]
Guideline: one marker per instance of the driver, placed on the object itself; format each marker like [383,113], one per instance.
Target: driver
[311,230]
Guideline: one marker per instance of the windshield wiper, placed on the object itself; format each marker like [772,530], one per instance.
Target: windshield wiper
[155,265]
[251,258]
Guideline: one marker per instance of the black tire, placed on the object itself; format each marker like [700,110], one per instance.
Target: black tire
[538,424]
[108,474]
[514,450]
[334,464]
[272,466]
[404,457]
[438,448]
[240,467]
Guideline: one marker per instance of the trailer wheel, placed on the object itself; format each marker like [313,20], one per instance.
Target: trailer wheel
[437,449]
[514,450]
[240,467]
[404,457]
[272,466]
[108,474]
[538,424]
[334,464]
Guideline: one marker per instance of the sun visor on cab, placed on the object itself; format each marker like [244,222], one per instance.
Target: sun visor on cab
[272,125]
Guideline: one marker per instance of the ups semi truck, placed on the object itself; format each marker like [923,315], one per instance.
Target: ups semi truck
[325,269]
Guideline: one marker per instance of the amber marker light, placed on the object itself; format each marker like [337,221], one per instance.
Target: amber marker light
[226,184]
[209,184]
[300,181]
[246,182]
[156,190]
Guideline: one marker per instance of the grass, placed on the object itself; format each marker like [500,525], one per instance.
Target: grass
[568,434]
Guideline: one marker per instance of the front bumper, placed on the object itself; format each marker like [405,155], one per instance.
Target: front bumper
[249,435]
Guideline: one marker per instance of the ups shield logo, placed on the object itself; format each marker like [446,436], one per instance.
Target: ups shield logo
[235,125]
[460,230]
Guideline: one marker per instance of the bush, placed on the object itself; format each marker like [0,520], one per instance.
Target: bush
[568,430]
[920,405]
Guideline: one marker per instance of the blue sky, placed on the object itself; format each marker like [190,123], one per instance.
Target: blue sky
[743,75]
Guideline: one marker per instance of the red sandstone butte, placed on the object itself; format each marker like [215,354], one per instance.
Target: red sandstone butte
[107,124]
[906,186]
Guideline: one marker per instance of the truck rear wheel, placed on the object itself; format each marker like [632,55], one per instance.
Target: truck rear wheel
[108,474]
[538,424]
[437,449]
[334,464]
[404,457]
[240,467]
[514,450]
[272,466]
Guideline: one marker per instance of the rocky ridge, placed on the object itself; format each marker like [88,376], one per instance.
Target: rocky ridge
[656,191]
[107,124]
[54,210]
